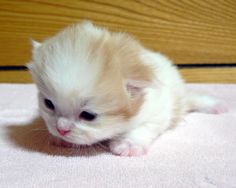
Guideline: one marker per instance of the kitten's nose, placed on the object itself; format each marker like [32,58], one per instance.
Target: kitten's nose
[62,132]
[64,126]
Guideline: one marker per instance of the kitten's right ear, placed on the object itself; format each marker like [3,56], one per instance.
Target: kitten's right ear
[29,66]
[35,44]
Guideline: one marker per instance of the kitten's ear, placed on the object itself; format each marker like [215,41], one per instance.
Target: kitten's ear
[29,66]
[135,87]
[35,44]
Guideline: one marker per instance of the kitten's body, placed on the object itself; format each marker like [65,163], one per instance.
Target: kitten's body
[135,93]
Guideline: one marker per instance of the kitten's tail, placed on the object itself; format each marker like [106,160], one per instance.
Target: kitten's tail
[204,103]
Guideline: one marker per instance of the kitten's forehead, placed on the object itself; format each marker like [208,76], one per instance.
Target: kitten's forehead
[71,65]
[71,106]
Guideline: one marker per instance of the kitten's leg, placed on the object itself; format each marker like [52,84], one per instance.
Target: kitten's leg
[136,142]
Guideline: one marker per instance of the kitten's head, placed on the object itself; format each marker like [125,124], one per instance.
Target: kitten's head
[90,83]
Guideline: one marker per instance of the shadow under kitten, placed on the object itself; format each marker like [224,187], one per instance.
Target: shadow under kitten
[35,137]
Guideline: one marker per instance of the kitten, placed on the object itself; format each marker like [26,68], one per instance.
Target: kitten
[96,85]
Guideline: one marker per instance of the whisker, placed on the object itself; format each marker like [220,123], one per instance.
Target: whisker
[103,146]
[24,133]
[39,129]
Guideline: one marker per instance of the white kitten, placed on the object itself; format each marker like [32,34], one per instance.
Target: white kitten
[96,85]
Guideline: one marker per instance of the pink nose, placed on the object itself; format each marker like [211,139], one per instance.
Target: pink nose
[63,132]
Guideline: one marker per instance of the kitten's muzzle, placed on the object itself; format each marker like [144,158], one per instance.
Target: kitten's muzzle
[64,126]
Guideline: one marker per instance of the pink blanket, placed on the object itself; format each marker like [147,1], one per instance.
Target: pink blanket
[200,152]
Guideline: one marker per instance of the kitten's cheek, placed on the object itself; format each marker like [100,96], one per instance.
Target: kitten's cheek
[50,122]
[51,129]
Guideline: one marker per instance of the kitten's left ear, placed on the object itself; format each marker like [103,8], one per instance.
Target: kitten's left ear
[135,87]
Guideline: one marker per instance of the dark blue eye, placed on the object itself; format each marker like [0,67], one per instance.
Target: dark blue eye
[49,104]
[88,116]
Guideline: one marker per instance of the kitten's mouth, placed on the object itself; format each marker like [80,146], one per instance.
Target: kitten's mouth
[69,138]
[62,143]
[63,132]
[72,138]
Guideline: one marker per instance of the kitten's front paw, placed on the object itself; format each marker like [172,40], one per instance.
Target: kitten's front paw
[127,148]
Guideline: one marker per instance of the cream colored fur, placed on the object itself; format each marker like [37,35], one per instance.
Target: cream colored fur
[137,94]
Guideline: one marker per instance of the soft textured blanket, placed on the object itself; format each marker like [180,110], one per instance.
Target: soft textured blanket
[200,152]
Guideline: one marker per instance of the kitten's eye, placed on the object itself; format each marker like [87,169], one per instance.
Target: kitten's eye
[88,116]
[49,104]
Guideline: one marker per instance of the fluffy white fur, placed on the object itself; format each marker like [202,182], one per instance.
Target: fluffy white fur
[137,94]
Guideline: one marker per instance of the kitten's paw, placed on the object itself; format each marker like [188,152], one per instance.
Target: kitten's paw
[127,148]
